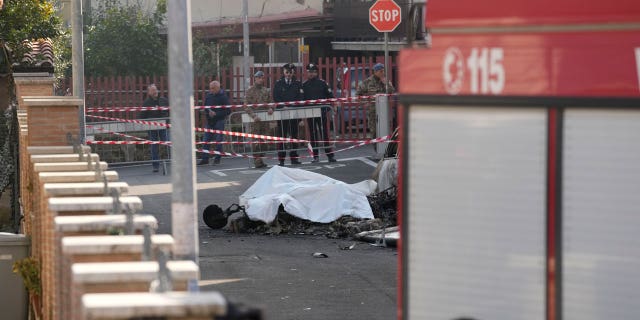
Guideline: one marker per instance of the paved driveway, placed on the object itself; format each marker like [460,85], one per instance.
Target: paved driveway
[279,273]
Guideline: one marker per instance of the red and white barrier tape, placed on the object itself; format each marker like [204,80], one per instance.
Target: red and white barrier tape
[221,142]
[168,143]
[230,133]
[372,141]
[233,154]
[276,142]
[115,133]
[123,142]
[140,141]
[253,105]
[239,155]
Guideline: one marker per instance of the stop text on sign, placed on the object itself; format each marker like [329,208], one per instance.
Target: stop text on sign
[385,15]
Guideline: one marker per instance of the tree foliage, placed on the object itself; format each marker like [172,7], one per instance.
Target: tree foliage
[62,57]
[22,20]
[206,57]
[125,41]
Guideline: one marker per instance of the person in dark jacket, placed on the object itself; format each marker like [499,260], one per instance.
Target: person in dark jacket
[154,100]
[215,119]
[287,88]
[316,88]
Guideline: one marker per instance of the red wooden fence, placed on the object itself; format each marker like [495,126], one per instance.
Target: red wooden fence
[131,91]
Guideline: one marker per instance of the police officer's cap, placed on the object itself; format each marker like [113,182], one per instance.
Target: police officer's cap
[288,66]
[312,67]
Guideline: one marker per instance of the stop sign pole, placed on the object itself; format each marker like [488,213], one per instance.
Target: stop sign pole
[385,16]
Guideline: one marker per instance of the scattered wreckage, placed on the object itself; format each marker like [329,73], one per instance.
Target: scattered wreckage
[296,201]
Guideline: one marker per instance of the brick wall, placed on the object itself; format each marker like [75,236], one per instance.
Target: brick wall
[43,141]
[51,119]
[28,85]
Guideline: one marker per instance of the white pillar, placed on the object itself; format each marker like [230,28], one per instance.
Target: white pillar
[382,126]
[184,218]
[77,61]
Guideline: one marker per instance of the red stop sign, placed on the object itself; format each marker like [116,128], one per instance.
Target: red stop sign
[385,15]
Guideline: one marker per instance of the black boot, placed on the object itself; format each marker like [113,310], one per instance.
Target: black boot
[294,158]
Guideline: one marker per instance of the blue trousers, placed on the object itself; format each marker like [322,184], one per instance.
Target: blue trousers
[156,135]
[217,137]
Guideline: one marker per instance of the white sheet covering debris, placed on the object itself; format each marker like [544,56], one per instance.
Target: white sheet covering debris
[306,195]
[386,174]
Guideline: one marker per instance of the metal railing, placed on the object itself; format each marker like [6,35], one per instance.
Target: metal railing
[303,116]
[120,138]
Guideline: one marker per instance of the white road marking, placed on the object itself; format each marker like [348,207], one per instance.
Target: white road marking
[203,283]
[218,172]
[163,188]
[243,170]
[365,160]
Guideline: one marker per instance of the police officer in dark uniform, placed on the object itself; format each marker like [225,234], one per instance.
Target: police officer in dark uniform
[316,88]
[286,89]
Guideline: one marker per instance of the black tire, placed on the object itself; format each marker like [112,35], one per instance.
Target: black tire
[214,217]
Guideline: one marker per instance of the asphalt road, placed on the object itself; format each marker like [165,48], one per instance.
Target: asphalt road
[278,273]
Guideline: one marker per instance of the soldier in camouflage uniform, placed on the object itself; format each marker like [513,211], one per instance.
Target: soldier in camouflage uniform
[258,93]
[369,87]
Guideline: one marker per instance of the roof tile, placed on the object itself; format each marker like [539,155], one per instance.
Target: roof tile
[39,59]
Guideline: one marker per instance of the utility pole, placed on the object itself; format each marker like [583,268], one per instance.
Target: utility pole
[386,62]
[184,219]
[245,38]
[77,61]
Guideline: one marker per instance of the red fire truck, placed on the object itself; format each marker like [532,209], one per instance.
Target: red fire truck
[520,178]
